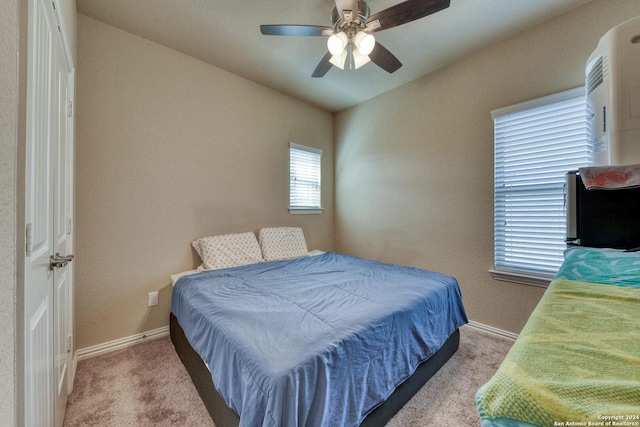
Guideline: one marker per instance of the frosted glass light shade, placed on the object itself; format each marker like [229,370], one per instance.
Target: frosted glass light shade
[339,60]
[337,43]
[364,42]
[359,59]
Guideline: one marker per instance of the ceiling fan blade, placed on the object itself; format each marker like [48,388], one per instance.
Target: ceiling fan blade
[295,30]
[323,66]
[384,59]
[404,12]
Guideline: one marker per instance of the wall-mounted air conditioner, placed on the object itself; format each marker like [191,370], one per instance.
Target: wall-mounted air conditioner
[613,95]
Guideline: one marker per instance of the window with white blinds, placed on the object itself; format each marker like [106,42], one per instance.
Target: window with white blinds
[304,179]
[536,144]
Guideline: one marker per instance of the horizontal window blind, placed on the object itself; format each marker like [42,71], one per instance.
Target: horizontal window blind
[536,144]
[304,177]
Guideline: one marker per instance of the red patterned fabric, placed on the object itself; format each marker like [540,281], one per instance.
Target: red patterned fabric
[610,177]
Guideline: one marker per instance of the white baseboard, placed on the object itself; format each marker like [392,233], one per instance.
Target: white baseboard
[108,347]
[491,330]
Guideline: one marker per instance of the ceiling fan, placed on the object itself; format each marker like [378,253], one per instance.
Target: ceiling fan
[350,43]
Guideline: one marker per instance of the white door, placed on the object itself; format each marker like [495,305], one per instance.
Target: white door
[62,164]
[48,198]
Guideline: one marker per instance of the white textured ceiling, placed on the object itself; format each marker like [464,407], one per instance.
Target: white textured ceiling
[226,34]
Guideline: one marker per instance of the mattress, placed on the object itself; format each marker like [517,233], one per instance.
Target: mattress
[577,360]
[315,340]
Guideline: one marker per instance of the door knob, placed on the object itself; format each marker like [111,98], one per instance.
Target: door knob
[59,261]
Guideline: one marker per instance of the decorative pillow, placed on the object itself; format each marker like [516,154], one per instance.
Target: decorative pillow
[282,243]
[196,246]
[228,250]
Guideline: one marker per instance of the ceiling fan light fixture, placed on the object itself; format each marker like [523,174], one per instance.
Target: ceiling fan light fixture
[350,43]
[339,60]
[337,43]
[364,42]
[359,59]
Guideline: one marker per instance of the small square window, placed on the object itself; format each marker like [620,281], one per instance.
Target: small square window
[304,179]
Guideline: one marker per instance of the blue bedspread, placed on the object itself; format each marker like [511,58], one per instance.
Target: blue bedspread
[315,341]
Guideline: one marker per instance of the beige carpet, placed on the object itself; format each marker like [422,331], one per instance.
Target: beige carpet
[146,385]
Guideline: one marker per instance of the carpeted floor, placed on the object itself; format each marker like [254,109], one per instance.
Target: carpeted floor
[146,385]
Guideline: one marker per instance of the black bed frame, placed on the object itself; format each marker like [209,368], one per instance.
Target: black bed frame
[223,416]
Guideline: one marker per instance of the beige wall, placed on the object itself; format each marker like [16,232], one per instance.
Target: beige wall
[417,187]
[169,149]
[8,207]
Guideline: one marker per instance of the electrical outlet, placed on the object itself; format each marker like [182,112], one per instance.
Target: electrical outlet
[153,298]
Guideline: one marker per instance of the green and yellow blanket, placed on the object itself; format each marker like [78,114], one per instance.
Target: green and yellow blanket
[577,360]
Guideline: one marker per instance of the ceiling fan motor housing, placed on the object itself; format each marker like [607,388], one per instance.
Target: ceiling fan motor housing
[356,21]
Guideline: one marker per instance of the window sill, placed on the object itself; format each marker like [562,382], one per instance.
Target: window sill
[305,211]
[521,277]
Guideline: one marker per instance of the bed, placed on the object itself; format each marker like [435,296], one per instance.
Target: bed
[297,338]
[577,360]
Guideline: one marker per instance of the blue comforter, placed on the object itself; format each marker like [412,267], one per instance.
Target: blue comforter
[314,341]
